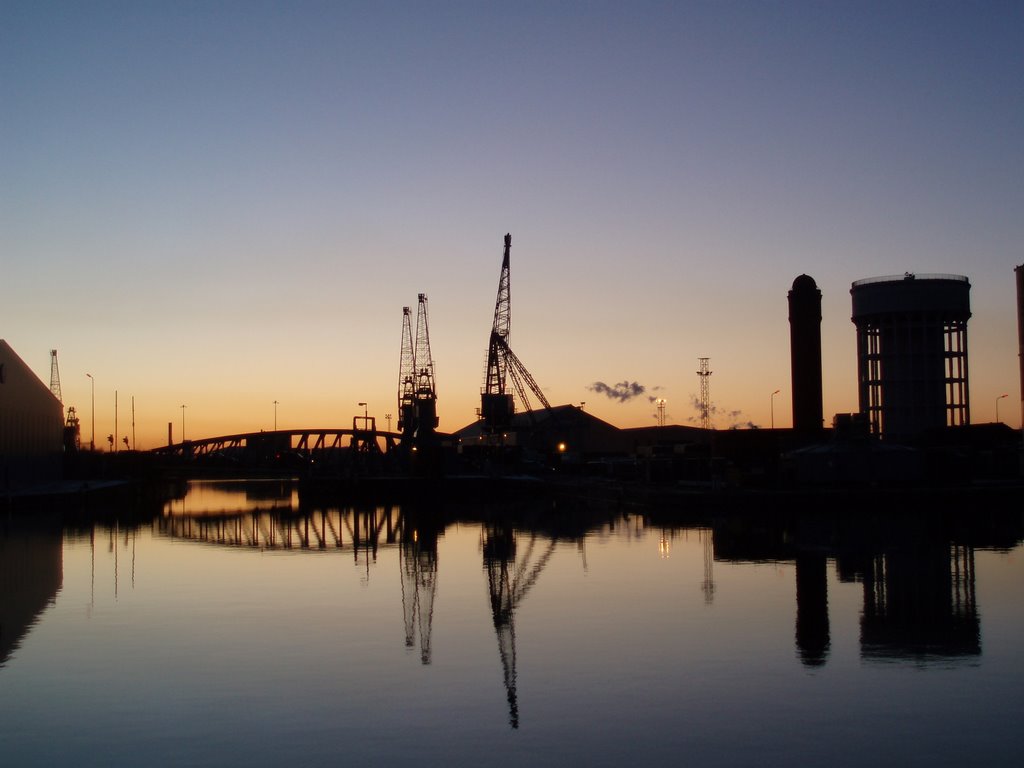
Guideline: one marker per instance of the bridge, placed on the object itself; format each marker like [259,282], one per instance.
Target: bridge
[294,439]
[291,447]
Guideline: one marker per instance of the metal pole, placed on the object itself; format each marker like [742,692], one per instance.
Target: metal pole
[275,415]
[92,441]
[771,406]
[997,406]
[183,423]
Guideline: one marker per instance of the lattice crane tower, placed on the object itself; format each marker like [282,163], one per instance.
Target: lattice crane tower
[417,395]
[705,393]
[55,377]
[407,378]
[496,401]
[426,394]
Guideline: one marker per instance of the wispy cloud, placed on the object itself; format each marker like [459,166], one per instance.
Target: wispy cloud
[734,419]
[624,391]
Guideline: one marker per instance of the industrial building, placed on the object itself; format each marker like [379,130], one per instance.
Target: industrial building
[912,353]
[805,355]
[31,426]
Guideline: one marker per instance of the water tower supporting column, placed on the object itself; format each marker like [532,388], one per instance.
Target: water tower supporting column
[1020,334]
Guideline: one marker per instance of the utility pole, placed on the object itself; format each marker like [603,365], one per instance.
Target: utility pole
[92,387]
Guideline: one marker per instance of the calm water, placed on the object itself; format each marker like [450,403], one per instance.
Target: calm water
[232,630]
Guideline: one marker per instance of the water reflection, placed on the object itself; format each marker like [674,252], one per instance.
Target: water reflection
[231,497]
[918,584]
[418,564]
[812,628]
[908,584]
[917,572]
[920,602]
[31,575]
[509,580]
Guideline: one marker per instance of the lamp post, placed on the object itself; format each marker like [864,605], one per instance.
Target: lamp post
[92,440]
[183,424]
[997,406]
[275,415]
[771,406]
[365,414]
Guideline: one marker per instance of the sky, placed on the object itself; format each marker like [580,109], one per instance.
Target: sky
[220,205]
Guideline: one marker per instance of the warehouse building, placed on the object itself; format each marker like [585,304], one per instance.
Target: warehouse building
[31,427]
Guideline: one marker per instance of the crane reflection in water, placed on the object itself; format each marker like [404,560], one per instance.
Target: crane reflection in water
[418,566]
[509,580]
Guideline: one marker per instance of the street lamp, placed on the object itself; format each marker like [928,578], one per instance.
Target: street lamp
[92,440]
[771,406]
[183,424]
[275,415]
[997,406]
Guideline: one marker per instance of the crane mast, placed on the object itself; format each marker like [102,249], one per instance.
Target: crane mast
[407,378]
[425,392]
[496,400]
[417,394]
[494,377]
[55,377]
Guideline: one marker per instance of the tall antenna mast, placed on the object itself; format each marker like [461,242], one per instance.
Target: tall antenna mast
[55,377]
[705,393]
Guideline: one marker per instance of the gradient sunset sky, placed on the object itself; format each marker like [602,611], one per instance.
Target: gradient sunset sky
[225,204]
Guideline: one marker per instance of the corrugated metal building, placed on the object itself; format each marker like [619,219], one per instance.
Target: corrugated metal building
[31,426]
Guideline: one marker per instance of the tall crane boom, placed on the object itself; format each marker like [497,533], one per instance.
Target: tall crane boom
[423,360]
[407,378]
[496,399]
[426,393]
[494,376]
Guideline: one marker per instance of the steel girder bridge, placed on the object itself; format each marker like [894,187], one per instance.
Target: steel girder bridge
[304,443]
